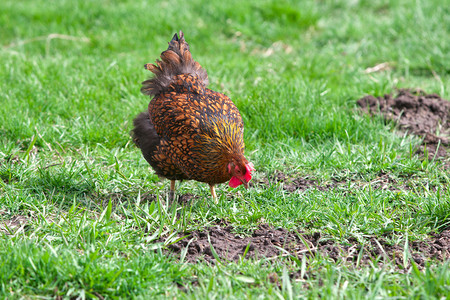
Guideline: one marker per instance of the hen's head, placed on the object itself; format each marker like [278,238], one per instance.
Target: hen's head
[241,172]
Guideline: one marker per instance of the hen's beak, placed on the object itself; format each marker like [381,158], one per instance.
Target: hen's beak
[245,183]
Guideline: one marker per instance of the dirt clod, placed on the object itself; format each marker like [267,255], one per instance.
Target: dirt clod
[425,115]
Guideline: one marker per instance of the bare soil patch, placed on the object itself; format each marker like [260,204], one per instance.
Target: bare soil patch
[10,226]
[187,198]
[267,242]
[418,113]
[293,183]
[296,184]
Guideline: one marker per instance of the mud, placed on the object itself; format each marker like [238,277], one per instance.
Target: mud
[222,243]
[418,113]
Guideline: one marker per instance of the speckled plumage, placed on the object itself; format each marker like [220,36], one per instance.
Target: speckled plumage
[190,131]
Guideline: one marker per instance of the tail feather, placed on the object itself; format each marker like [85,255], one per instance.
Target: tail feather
[176,60]
[144,135]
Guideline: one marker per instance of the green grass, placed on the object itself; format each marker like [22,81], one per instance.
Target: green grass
[295,70]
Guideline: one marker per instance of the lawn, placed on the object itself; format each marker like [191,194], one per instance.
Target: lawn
[354,211]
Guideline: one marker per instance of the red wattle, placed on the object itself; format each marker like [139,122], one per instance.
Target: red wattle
[248,176]
[235,182]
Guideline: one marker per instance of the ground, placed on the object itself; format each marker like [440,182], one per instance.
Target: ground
[416,113]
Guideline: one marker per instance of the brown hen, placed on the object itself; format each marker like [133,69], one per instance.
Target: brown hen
[190,132]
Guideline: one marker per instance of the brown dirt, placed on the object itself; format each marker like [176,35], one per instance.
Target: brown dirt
[384,181]
[9,227]
[187,198]
[295,183]
[425,115]
[267,241]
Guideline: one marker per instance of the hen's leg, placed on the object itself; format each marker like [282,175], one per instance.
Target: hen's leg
[213,193]
[172,190]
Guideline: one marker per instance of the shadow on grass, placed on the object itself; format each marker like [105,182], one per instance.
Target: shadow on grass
[62,185]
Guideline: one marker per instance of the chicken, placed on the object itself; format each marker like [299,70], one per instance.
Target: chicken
[190,132]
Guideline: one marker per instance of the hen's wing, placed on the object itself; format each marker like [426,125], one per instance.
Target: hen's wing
[147,139]
[199,130]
